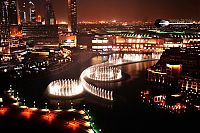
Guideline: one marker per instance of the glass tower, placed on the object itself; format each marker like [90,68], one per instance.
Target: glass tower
[32,13]
[49,15]
[72,16]
[4,23]
[13,12]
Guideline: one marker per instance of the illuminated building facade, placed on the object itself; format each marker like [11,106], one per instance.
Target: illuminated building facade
[190,84]
[23,13]
[68,40]
[27,12]
[156,75]
[178,67]
[41,36]
[4,24]
[174,70]
[164,75]
[49,16]
[141,41]
[32,13]
[130,42]
[72,16]
[10,34]
[102,43]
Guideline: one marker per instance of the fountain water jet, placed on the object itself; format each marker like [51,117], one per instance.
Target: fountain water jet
[65,87]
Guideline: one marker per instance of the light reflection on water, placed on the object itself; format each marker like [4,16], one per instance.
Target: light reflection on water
[113,116]
[131,72]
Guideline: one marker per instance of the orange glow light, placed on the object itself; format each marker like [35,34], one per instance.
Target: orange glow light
[49,117]
[73,124]
[3,110]
[27,113]
[18,34]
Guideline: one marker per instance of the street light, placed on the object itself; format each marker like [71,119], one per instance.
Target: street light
[58,106]
[24,102]
[84,106]
[46,105]
[71,105]
[34,104]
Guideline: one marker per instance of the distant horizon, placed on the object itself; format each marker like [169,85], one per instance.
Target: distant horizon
[125,10]
[62,20]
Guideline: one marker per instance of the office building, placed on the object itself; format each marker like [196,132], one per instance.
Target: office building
[49,15]
[41,36]
[23,13]
[4,23]
[13,12]
[72,16]
[32,13]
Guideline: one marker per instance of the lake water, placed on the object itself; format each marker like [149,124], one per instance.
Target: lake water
[126,114]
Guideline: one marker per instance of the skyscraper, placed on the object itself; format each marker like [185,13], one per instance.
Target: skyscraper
[32,14]
[49,13]
[23,13]
[72,16]
[13,12]
[4,23]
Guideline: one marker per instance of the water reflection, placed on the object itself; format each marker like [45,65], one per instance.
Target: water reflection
[98,79]
[105,89]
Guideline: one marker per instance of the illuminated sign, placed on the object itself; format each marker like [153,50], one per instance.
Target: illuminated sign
[100,41]
[68,41]
[101,47]
[159,98]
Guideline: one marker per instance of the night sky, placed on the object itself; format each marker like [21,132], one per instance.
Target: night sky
[128,10]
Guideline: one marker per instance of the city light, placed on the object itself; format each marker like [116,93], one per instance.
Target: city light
[27,113]
[93,66]
[3,110]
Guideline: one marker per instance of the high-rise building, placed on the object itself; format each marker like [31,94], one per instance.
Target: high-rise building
[49,14]
[4,23]
[23,13]
[32,13]
[42,36]
[13,12]
[72,16]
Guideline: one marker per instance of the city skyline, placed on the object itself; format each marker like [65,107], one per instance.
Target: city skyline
[128,10]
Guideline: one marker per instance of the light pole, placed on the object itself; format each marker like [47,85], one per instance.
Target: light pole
[46,105]
[34,104]
[58,106]
[24,102]
[71,105]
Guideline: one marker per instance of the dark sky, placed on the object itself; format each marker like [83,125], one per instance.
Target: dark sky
[129,10]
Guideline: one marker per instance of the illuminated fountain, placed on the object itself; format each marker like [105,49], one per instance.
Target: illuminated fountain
[104,73]
[118,59]
[65,87]
[102,93]
[133,57]
[99,92]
